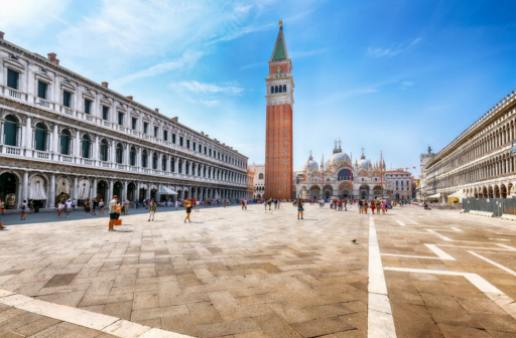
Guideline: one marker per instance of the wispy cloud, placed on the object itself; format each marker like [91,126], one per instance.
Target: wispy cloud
[14,15]
[380,52]
[197,87]
[185,61]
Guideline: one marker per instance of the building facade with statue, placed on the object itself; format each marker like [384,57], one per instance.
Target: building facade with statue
[340,177]
[64,136]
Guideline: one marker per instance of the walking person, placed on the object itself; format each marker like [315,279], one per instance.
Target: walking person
[373,206]
[300,209]
[378,205]
[60,208]
[112,213]
[68,207]
[360,207]
[2,207]
[153,206]
[94,206]
[345,205]
[23,210]
[366,206]
[188,208]
[269,203]
[101,206]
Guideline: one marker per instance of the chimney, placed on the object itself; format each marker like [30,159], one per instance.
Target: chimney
[174,119]
[130,97]
[52,57]
[156,110]
[104,84]
[2,35]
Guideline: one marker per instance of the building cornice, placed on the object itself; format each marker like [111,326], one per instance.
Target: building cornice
[507,103]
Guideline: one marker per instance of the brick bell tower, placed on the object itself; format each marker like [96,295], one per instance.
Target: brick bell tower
[278,140]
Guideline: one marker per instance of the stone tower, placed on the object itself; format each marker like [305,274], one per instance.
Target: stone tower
[278,142]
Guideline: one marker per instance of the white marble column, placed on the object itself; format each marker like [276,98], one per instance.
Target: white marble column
[96,143]
[75,188]
[25,194]
[27,133]
[110,190]
[52,192]
[55,139]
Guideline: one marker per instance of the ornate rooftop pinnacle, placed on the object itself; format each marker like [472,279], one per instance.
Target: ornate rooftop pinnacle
[280,49]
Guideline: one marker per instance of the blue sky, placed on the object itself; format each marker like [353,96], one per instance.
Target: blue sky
[386,75]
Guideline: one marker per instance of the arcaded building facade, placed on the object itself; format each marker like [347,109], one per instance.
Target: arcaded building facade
[480,162]
[279,167]
[64,136]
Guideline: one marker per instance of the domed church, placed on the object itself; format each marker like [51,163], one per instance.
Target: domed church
[341,178]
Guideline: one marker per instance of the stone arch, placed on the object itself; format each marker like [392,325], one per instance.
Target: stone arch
[11,130]
[363,191]
[38,190]
[63,189]
[503,191]
[496,191]
[131,191]
[102,190]
[315,192]
[118,190]
[9,188]
[327,191]
[378,191]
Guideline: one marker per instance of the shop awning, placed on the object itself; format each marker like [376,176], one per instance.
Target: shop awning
[167,191]
[458,194]
[435,196]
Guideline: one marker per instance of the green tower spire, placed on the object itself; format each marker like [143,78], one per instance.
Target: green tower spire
[280,49]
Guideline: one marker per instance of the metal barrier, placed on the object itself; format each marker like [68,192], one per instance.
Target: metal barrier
[497,206]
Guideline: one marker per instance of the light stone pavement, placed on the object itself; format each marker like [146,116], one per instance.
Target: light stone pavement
[240,274]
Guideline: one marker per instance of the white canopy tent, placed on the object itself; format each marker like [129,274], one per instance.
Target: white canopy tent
[164,190]
[434,196]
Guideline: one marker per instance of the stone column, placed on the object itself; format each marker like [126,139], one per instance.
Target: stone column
[27,133]
[125,190]
[96,148]
[55,140]
[25,194]
[75,188]
[110,190]
[176,165]
[112,152]
[77,145]
[52,192]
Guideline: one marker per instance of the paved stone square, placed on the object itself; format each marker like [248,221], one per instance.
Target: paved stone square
[255,273]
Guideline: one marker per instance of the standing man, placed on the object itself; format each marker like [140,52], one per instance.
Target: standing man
[153,206]
[188,208]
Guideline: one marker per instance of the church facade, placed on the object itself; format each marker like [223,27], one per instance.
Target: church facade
[340,177]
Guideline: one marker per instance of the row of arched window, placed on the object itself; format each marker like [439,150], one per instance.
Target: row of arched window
[11,137]
[278,89]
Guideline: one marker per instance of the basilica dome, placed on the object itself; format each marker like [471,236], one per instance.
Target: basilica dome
[340,158]
[364,164]
[311,165]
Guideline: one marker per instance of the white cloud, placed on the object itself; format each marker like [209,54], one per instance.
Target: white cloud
[187,60]
[197,87]
[134,28]
[380,52]
[16,14]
